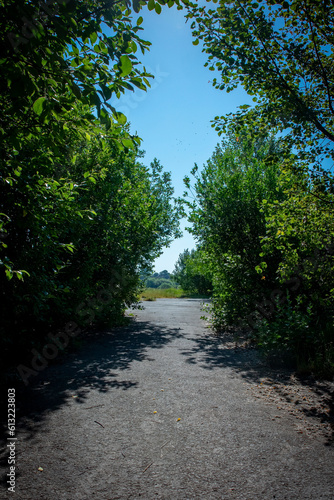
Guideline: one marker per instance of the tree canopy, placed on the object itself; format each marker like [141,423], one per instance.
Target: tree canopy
[267,239]
[228,220]
[192,272]
[80,216]
[263,208]
[282,53]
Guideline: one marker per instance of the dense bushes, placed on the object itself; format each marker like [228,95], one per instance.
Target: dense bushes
[160,280]
[301,230]
[192,273]
[80,216]
[266,221]
[267,232]
[94,224]
[228,221]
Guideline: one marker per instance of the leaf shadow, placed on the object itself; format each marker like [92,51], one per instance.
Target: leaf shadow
[98,364]
[232,349]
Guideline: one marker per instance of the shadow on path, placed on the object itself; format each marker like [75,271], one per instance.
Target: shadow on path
[226,351]
[93,366]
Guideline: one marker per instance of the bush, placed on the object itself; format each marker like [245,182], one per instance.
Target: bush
[288,330]
[292,336]
[192,273]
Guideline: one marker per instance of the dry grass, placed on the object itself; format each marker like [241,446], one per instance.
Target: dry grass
[156,293]
[150,294]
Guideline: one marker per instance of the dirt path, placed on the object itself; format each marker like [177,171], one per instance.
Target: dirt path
[164,409]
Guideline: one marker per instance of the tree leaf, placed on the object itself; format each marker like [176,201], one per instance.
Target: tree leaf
[126,65]
[136,5]
[121,118]
[38,105]
[151,5]
[93,38]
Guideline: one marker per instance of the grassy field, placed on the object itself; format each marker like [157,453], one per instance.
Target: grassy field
[168,293]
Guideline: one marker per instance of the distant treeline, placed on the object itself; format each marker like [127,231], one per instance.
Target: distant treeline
[160,280]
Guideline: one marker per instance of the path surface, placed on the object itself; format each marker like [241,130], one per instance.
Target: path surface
[163,409]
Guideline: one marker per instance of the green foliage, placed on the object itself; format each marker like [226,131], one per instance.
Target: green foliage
[294,336]
[228,219]
[301,230]
[151,294]
[191,272]
[159,280]
[282,54]
[277,224]
[80,217]
[288,330]
[58,70]
[83,234]
[267,229]
[55,56]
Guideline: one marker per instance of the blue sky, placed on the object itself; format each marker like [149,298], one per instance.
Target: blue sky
[173,117]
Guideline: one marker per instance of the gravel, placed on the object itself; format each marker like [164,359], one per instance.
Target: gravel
[165,409]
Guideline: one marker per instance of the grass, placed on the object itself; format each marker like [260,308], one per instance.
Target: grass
[150,294]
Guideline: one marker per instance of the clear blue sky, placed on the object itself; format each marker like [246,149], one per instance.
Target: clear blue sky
[173,117]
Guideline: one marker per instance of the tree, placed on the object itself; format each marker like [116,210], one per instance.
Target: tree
[282,53]
[164,274]
[80,216]
[228,219]
[57,55]
[301,229]
[268,234]
[192,272]
[83,235]
[61,62]
[158,280]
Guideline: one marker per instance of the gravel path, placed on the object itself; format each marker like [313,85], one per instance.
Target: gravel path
[164,409]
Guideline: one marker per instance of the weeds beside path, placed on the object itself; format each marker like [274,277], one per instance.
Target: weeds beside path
[150,294]
[164,409]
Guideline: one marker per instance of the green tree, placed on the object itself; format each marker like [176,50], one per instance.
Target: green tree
[158,280]
[301,229]
[61,62]
[282,53]
[192,272]
[228,220]
[56,69]
[296,320]
[80,216]
[267,229]
[164,274]
[57,55]
[92,227]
